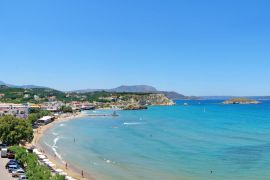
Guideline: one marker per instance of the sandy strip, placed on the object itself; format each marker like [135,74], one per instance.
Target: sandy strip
[71,171]
[3,171]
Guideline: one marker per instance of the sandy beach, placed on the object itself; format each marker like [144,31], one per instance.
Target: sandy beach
[70,170]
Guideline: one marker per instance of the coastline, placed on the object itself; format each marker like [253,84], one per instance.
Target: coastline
[71,170]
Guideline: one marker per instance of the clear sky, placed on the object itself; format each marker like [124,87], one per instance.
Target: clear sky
[193,47]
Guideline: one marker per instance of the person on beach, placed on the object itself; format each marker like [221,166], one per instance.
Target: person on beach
[82,174]
[74,140]
[66,165]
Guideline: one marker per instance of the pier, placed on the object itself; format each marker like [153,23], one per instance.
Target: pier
[104,115]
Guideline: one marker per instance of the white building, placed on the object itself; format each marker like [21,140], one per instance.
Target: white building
[45,120]
[16,110]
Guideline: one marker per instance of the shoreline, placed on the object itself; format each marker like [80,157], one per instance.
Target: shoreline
[71,170]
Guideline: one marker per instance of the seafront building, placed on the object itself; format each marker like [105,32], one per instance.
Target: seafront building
[52,106]
[45,120]
[16,110]
[77,105]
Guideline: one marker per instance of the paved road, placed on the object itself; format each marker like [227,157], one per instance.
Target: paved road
[4,175]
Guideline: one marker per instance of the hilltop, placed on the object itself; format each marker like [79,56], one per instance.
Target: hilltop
[121,89]
[41,95]
[2,83]
[138,89]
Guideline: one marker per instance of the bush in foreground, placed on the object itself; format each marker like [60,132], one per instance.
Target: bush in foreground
[34,170]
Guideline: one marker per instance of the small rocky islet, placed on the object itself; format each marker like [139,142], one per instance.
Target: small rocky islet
[241,101]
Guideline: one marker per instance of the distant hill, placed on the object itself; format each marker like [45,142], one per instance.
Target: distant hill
[139,89]
[5,84]
[128,89]
[22,86]
[136,88]
[173,95]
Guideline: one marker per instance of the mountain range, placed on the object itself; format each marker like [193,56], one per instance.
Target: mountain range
[22,86]
[138,89]
[132,89]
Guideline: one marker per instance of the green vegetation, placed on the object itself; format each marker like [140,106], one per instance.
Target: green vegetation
[40,95]
[66,109]
[35,95]
[14,130]
[35,114]
[34,170]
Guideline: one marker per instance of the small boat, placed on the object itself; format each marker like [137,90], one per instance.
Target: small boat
[185,104]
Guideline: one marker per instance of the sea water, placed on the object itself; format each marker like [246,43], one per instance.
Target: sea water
[205,140]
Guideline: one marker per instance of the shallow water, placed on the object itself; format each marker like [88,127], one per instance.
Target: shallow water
[205,140]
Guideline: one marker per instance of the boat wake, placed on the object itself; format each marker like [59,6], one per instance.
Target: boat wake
[133,123]
[109,161]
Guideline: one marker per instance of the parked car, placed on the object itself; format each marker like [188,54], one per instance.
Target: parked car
[23,177]
[35,126]
[10,154]
[12,162]
[4,152]
[2,145]
[12,168]
[18,172]
[30,150]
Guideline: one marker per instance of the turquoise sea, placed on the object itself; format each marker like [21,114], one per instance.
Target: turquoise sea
[205,140]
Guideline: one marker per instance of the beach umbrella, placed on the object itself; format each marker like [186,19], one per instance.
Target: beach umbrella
[63,174]
[51,164]
[59,170]
[36,151]
[69,178]
[42,157]
[46,161]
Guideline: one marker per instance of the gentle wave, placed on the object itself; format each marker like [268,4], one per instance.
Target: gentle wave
[55,134]
[54,147]
[62,125]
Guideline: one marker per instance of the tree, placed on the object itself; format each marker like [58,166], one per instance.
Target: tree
[14,130]
[66,109]
[32,118]
[35,114]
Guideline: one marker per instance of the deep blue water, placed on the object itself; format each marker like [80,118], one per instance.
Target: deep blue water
[205,140]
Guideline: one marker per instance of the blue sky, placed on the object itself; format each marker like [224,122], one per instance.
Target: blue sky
[193,47]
